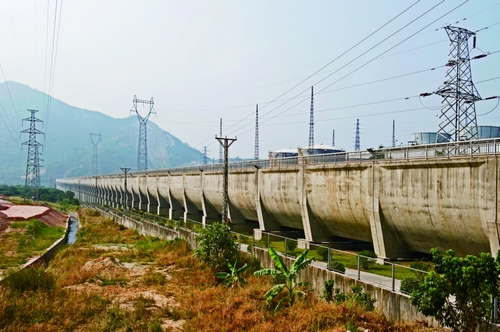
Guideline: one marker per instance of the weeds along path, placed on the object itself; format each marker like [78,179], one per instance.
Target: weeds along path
[113,279]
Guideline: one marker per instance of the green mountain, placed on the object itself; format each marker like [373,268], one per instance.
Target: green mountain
[67,148]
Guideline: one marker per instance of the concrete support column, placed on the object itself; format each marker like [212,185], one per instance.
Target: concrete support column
[163,206]
[152,206]
[379,245]
[176,210]
[492,225]
[306,221]
[266,221]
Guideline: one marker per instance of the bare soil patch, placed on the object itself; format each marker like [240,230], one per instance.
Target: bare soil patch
[102,271]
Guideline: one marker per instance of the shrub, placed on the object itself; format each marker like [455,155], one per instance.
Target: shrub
[420,265]
[328,293]
[290,284]
[458,292]
[364,299]
[337,266]
[154,278]
[367,258]
[234,278]
[29,279]
[216,246]
[408,284]
[322,253]
[291,245]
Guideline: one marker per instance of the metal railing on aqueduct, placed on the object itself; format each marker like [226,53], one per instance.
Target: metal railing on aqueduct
[428,151]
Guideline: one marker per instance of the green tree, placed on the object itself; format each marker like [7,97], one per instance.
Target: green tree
[216,246]
[458,292]
[366,258]
[289,277]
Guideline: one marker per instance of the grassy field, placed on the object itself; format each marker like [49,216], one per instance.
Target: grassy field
[113,279]
[24,240]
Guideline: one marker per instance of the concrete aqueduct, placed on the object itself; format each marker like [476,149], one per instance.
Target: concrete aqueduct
[403,200]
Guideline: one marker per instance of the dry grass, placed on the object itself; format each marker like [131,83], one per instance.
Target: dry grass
[155,285]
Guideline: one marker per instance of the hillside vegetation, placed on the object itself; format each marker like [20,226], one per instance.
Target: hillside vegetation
[67,148]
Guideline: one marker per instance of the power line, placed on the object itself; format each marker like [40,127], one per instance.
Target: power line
[412,35]
[359,105]
[294,79]
[400,29]
[55,43]
[332,61]
[328,91]
[6,126]
[13,105]
[356,116]
[345,52]
[498,100]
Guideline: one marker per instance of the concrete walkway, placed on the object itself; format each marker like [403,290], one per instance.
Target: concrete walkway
[369,278]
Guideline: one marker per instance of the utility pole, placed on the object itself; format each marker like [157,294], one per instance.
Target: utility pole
[142,155]
[256,150]
[458,111]
[94,154]
[311,121]
[125,195]
[220,147]
[32,182]
[333,137]
[225,143]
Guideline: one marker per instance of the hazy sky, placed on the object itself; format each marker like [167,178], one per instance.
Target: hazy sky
[206,60]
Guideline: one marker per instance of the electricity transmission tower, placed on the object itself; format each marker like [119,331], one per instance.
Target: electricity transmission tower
[256,149]
[458,112]
[393,133]
[32,182]
[311,121]
[205,158]
[225,143]
[357,145]
[142,155]
[94,151]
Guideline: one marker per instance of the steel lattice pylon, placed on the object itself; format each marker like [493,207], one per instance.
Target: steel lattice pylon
[311,121]
[256,148]
[94,171]
[357,145]
[458,112]
[142,155]
[32,183]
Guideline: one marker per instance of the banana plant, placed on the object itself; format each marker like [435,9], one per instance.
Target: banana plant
[234,278]
[289,276]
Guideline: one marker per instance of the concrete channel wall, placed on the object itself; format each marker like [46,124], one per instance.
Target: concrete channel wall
[401,206]
[47,256]
[395,306]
